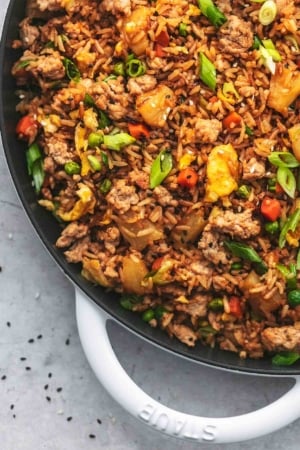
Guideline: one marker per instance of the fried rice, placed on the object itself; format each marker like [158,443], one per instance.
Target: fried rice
[167,146]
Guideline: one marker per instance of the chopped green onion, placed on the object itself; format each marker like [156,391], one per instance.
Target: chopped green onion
[33,154]
[267,12]
[23,64]
[207,71]
[206,331]
[267,59]
[95,139]
[287,181]
[247,253]
[249,131]
[104,120]
[268,44]
[110,77]
[94,162]
[104,158]
[236,266]
[243,191]
[298,261]
[159,311]
[290,38]
[290,275]
[105,186]
[38,175]
[285,358]
[182,29]
[88,100]
[128,301]
[71,69]
[290,225]
[148,315]
[35,166]
[119,69]
[283,159]
[256,43]
[117,141]
[72,168]
[272,184]
[272,227]
[212,12]
[160,169]
[135,68]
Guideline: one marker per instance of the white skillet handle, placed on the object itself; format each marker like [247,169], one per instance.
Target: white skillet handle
[91,322]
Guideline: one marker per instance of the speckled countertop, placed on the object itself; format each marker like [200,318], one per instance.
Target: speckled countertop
[50,398]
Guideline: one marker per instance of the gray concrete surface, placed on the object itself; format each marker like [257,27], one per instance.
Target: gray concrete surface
[52,401]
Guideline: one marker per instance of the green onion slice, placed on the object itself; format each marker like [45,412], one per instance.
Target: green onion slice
[247,253]
[35,166]
[135,68]
[267,12]
[283,159]
[287,181]
[212,12]
[117,141]
[290,225]
[160,169]
[207,71]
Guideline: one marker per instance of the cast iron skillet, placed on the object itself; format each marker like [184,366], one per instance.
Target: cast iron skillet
[49,229]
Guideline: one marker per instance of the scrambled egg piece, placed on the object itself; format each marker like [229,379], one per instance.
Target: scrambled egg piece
[91,270]
[222,172]
[84,205]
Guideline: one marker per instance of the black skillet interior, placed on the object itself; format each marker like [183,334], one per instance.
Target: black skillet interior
[48,228]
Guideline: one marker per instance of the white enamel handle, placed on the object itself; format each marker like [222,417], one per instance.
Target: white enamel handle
[91,322]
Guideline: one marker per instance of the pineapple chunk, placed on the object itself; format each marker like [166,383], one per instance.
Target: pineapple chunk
[284,89]
[222,172]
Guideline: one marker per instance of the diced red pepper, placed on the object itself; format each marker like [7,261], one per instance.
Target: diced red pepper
[187,178]
[156,265]
[138,130]
[235,307]
[270,208]
[27,128]
[163,38]
[159,51]
[233,119]
[213,99]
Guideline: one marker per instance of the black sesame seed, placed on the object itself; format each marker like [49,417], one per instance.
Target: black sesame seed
[39,336]
[46,386]
[48,398]
[23,358]
[3,377]
[99,421]
[8,324]
[59,389]
[69,419]
[67,341]
[49,375]
[92,436]
[0,269]
[14,416]
[30,341]
[12,406]
[28,368]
